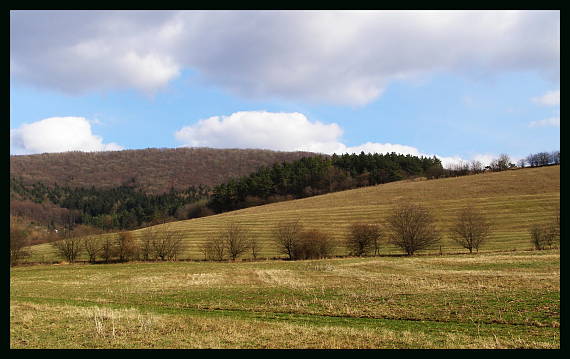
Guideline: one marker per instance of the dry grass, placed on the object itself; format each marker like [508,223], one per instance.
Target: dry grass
[486,300]
[512,200]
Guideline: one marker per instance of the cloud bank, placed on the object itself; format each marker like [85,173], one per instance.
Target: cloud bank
[340,57]
[57,134]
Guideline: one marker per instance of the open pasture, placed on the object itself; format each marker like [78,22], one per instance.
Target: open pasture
[485,300]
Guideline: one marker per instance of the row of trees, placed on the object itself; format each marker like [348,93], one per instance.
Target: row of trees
[502,163]
[410,227]
[155,243]
[540,159]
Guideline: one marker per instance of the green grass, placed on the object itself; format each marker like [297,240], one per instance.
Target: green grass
[486,300]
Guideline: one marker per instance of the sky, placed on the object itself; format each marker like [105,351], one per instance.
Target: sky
[460,85]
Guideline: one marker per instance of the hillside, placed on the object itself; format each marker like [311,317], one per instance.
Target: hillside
[512,200]
[155,170]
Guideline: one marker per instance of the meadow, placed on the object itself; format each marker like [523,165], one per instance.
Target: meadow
[511,200]
[485,300]
[505,296]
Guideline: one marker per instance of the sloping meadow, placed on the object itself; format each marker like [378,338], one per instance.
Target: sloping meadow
[511,200]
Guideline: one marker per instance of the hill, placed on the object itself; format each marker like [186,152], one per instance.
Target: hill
[513,200]
[154,170]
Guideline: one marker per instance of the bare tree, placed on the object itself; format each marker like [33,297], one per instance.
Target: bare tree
[470,229]
[287,236]
[502,163]
[475,166]
[71,246]
[93,246]
[255,246]
[362,238]
[555,157]
[167,242]
[214,248]
[126,247]
[541,236]
[146,238]
[412,228]
[19,241]
[107,248]
[236,239]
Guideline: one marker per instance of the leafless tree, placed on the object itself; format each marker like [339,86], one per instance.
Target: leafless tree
[214,248]
[167,242]
[287,236]
[470,229]
[71,246]
[555,157]
[126,247]
[107,248]
[412,228]
[93,245]
[145,246]
[501,164]
[362,238]
[236,239]
[19,242]
[255,246]
[475,166]
[541,236]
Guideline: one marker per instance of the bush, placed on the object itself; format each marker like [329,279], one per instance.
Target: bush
[362,238]
[542,236]
[313,244]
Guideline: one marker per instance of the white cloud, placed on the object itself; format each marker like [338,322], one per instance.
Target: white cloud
[343,57]
[283,132]
[549,122]
[57,134]
[551,98]
[260,129]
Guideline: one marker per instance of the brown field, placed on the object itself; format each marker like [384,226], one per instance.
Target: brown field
[512,200]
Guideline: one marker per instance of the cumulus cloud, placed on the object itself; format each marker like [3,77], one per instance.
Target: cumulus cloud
[57,134]
[261,129]
[341,57]
[549,122]
[551,98]
[283,132]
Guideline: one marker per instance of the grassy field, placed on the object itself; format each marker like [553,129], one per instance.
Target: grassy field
[513,200]
[485,300]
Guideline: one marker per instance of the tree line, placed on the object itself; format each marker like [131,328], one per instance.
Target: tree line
[411,227]
[317,175]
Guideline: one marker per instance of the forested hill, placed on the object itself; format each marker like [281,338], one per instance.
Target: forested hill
[152,170]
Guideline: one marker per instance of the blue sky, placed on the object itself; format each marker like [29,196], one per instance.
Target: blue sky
[446,84]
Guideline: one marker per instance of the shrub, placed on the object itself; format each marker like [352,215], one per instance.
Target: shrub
[362,238]
[313,244]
